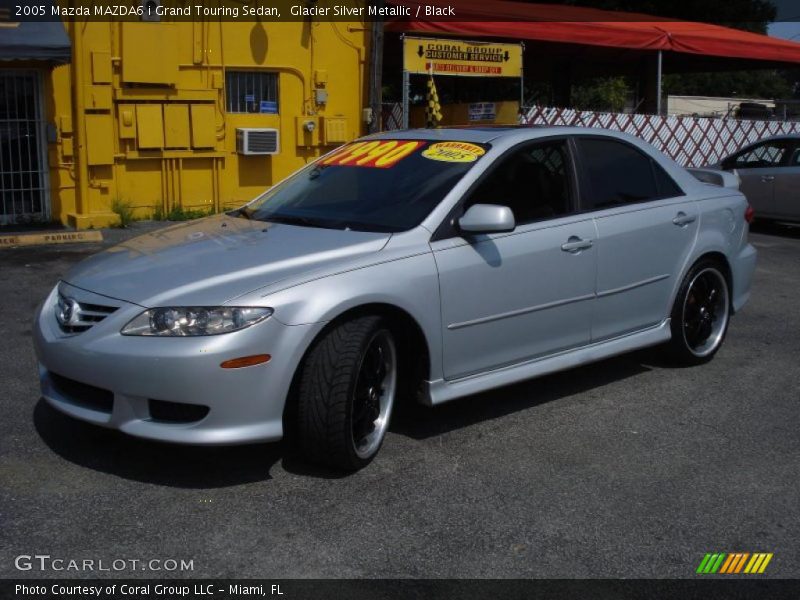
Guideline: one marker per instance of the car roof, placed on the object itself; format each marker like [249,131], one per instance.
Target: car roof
[462,134]
[782,136]
[484,134]
[772,138]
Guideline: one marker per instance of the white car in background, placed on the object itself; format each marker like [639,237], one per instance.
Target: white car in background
[770,176]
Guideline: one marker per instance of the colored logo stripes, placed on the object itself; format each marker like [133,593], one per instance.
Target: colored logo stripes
[737,562]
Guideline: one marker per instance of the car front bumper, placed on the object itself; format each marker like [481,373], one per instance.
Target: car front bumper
[109,379]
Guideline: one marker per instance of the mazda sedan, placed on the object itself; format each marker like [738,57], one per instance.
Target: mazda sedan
[424,265]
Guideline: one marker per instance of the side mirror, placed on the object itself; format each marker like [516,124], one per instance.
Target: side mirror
[487,218]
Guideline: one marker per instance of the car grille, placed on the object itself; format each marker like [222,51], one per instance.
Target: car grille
[74,316]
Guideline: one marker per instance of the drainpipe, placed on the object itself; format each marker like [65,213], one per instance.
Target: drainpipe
[658,82]
[81,167]
[376,70]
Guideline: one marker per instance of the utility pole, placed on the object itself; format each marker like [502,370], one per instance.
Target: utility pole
[376,70]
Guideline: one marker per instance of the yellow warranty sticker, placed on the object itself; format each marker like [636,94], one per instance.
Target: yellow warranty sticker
[461,152]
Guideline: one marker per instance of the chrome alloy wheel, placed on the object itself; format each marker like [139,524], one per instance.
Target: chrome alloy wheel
[374,394]
[706,310]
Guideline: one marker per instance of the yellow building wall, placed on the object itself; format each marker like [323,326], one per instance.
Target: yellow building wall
[140,114]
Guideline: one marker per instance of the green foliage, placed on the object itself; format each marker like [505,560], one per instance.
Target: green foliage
[125,211]
[178,213]
[539,92]
[601,94]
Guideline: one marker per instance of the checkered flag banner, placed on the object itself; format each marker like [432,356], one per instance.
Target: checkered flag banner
[433,112]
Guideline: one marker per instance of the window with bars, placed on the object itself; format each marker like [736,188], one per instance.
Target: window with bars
[24,193]
[251,92]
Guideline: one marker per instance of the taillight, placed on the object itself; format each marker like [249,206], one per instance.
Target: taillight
[749,214]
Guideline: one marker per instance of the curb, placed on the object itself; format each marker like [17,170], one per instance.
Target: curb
[47,238]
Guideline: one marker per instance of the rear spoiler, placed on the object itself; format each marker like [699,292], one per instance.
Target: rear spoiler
[717,177]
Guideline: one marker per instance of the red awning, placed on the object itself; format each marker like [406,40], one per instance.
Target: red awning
[593,27]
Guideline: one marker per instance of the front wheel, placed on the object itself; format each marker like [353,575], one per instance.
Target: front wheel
[700,314]
[348,386]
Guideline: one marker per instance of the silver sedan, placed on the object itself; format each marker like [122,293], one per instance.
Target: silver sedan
[423,265]
[770,173]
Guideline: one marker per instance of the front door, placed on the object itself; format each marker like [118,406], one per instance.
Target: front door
[511,297]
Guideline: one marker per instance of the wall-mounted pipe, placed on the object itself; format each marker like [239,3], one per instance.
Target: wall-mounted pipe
[376,72]
[82,166]
[280,68]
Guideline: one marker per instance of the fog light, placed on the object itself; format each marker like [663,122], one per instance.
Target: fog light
[245,361]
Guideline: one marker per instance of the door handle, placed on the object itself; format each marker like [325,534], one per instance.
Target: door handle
[767,178]
[682,219]
[575,244]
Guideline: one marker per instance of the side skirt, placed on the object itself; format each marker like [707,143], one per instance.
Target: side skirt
[441,390]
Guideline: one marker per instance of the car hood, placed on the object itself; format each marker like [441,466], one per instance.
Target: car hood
[213,260]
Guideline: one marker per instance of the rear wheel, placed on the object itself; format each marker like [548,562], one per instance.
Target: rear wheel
[700,314]
[347,389]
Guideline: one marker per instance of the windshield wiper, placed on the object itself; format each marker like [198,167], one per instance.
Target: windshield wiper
[240,212]
[296,220]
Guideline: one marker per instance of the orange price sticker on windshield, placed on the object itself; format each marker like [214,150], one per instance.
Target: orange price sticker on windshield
[381,154]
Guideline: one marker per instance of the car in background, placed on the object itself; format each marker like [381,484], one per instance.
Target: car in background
[424,265]
[770,176]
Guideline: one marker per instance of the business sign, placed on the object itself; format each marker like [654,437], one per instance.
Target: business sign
[482,111]
[268,106]
[461,57]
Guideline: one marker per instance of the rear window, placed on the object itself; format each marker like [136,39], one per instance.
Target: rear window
[768,154]
[620,174]
[373,185]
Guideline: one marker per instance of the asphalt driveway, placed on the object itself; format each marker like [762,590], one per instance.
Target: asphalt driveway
[624,468]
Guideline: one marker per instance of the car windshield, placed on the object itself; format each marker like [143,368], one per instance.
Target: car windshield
[377,185]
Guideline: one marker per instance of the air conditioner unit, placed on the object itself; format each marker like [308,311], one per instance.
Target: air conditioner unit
[251,140]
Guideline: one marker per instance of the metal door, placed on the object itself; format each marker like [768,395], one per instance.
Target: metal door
[24,186]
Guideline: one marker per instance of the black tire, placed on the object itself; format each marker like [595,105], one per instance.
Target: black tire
[700,315]
[339,387]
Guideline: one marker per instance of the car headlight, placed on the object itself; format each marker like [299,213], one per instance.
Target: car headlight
[194,320]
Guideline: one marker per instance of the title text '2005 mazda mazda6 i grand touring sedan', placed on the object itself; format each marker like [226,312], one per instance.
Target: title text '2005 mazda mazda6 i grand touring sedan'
[429,264]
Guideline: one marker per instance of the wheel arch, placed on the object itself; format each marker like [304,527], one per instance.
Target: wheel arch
[409,335]
[679,347]
[721,259]
[708,253]
[405,328]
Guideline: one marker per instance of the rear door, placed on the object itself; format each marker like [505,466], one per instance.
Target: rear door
[759,168]
[645,229]
[786,198]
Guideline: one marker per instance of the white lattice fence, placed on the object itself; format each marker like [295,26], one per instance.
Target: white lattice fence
[391,116]
[689,141]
